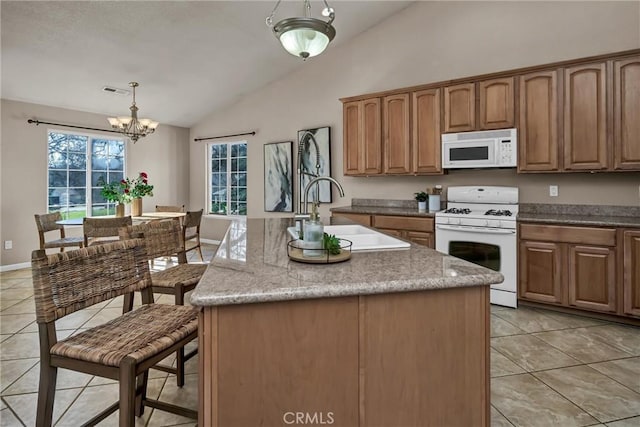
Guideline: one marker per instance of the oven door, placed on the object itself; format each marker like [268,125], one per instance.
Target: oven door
[469,154]
[494,248]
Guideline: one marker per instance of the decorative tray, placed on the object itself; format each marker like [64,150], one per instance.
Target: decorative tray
[298,250]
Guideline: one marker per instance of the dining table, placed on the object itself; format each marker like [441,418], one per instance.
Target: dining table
[145,217]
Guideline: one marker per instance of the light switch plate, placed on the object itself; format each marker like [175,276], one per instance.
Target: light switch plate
[8,244]
[553,190]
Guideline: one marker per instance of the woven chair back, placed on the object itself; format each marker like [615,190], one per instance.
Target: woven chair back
[193,218]
[70,281]
[162,238]
[169,208]
[47,222]
[104,227]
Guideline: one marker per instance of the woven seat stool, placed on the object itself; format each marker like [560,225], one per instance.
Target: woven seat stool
[164,238]
[47,223]
[122,349]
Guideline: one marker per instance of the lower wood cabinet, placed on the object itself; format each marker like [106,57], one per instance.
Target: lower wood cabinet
[569,266]
[631,272]
[419,230]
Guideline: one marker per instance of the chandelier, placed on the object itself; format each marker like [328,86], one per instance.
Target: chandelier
[133,127]
[304,36]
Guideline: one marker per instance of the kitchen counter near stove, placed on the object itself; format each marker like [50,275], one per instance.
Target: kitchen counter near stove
[586,215]
[383,207]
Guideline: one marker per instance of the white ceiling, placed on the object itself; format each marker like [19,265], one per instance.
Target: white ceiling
[190,57]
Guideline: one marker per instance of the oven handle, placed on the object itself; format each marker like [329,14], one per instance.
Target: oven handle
[476,230]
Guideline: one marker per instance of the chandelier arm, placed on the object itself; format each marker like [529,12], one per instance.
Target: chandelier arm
[332,14]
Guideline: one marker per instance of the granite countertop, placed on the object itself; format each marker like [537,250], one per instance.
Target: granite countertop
[591,215]
[252,266]
[381,210]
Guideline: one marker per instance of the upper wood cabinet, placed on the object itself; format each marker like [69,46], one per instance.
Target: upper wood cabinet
[460,108]
[362,137]
[425,131]
[626,111]
[585,117]
[538,122]
[496,103]
[396,131]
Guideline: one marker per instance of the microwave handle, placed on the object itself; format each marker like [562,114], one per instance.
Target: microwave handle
[476,230]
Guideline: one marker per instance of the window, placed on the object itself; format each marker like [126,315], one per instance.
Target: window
[77,166]
[227,173]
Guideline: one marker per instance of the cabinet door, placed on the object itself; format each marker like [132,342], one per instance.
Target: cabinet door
[540,267]
[397,144]
[460,108]
[585,117]
[592,278]
[352,153]
[631,272]
[363,219]
[421,238]
[538,122]
[426,143]
[496,104]
[626,110]
[371,134]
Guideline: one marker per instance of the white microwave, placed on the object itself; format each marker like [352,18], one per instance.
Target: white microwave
[484,149]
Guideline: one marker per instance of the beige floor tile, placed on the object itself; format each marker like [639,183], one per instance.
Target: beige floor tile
[25,404]
[582,344]
[628,422]
[4,337]
[28,383]
[21,273]
[7,303]
[13,323]
[625,371]
[501,328]
[20,346]
[2,404]
[495,308]
[77,319]
[600,396]
[103,316]
[25,306]
[530,320]
[501,365]
[17,293]
[570,320]
[14,369]
[498,420]
[625,338]
[531,353]
[526,401]
[186,396]
[7,419]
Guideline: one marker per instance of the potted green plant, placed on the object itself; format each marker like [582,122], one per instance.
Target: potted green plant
[114,192]
[422,198]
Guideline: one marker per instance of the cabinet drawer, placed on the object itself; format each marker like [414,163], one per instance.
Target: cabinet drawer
[579,235]
[403,223]
[359,218]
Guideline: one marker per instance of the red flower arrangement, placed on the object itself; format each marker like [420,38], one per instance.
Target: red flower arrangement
[137,187]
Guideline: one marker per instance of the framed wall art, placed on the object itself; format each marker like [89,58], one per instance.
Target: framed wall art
[314,156]
[278,177]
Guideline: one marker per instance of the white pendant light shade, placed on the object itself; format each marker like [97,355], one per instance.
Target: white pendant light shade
[304,37]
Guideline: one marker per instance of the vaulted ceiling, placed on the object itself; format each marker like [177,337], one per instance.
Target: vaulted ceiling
[190,57]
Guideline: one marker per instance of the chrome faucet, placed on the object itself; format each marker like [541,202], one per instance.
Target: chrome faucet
[304,215]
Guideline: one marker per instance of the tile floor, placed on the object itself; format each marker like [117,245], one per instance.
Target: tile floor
[547,369]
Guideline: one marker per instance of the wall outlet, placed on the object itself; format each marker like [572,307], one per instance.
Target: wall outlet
[553,190]
[8,244]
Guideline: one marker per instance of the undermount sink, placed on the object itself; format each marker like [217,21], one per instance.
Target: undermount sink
[362,238]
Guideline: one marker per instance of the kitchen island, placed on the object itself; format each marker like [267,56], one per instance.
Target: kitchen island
[389,338]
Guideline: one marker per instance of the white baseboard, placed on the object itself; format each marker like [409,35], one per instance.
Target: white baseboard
[12,267]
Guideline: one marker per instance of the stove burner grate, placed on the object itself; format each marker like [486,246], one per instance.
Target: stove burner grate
[495,212]
[464,211]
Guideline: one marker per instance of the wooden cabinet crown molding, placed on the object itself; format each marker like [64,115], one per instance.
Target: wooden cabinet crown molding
[507,73]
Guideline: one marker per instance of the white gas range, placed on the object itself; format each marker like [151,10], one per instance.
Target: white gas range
[479,225]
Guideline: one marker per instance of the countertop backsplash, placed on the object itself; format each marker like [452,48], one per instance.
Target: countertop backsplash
[586,210]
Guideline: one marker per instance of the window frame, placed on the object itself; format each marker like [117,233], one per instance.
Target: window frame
[88,212]
[229,172]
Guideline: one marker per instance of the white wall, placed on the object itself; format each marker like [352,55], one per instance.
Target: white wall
[23,148]
[427,42]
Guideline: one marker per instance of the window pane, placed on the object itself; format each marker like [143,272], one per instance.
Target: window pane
[76,160]
[77,179]
[242,151]
[234,150]
[228,178]
[57,178]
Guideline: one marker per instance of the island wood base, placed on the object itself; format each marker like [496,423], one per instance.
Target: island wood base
[403,359]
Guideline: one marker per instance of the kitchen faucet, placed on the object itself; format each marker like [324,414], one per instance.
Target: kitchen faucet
[304,215]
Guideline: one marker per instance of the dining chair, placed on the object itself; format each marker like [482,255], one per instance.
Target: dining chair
[164,238]
[191,231]
[97,231]
[47,223]
[122,349]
